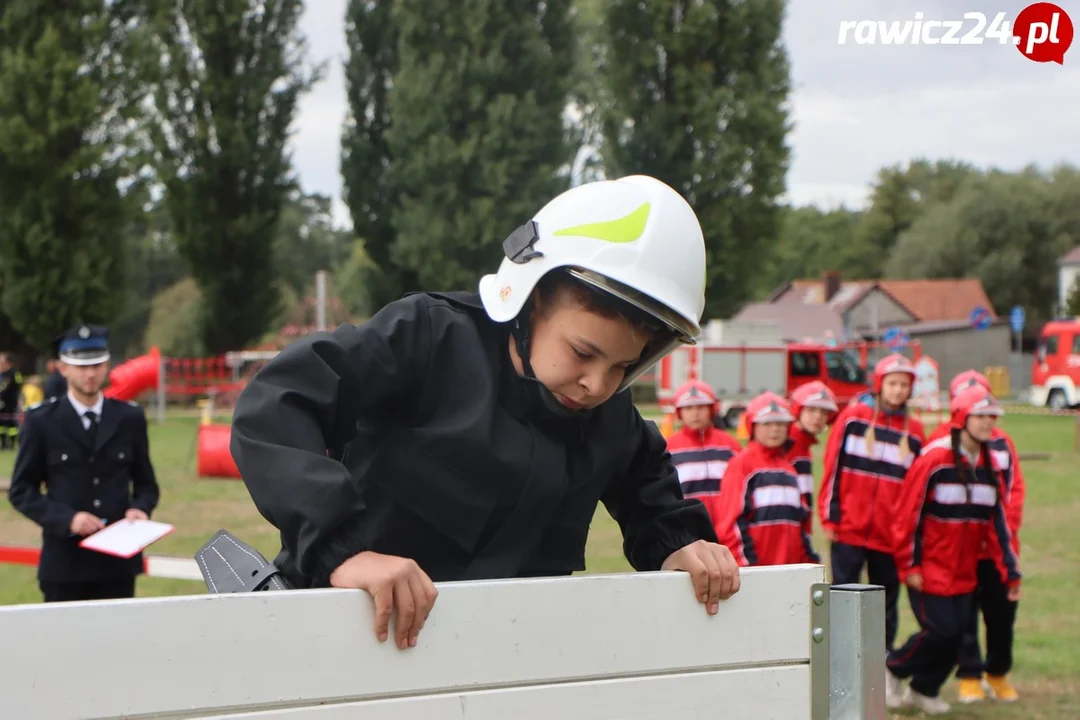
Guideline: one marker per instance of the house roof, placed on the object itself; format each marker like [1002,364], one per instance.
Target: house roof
[927,300]
[798,321]
[931,300]
[812,292]
[916,330]
[1070,258]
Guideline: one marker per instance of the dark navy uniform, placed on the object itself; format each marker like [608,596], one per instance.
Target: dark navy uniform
[10,389]
[412,435]
[55,385]
[98,464]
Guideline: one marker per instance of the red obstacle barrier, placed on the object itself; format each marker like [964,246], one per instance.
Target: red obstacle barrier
[129,380]
[199,376]
[214,457]
[20,555]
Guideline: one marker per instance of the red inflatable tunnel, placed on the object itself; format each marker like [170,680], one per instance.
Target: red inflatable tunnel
[129,380]
[214,458]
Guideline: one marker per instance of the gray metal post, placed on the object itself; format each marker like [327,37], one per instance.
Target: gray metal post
[857,652]
[320,300]
[820,621]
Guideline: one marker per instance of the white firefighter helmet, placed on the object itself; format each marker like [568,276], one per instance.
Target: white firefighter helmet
[635,237]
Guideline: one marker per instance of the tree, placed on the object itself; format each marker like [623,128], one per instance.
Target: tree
[149,245]
[372,39]
[477,134]
[999,228]
[899,197]
[696,95]
[588,93]
[1072,301]
[1065,205]
[307,241]
[811,242]
[348,281]
[226,76]
[66,97]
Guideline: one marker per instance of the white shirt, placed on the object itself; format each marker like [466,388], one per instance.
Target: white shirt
[82,409]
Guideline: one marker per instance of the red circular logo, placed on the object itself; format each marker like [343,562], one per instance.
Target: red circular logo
[1043,32]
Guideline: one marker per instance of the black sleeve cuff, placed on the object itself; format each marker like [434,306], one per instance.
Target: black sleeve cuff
[677,529]
[349,540]
[144,505]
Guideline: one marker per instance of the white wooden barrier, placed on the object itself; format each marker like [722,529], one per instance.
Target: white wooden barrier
[597,647]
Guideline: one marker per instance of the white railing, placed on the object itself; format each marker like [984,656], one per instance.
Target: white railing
[596,647]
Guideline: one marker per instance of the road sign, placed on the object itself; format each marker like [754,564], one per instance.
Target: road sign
[980,318]
[1016,319]
[896,338]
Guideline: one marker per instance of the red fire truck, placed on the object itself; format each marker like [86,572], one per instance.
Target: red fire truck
[1055,372]
[739,372]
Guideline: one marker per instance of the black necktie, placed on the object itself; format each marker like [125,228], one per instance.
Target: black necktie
[92,429]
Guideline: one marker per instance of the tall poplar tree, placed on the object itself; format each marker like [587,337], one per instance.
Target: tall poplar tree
[372,37]
[227,76]
[477,137]
[695,94]
[66,96]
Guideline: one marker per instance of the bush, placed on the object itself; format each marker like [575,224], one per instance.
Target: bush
[174,320]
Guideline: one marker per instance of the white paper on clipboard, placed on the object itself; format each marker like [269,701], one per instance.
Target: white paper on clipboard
[125,538]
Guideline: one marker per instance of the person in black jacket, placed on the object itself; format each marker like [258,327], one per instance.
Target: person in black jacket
[459,436]
[10,390]
[92,455]
[55,385]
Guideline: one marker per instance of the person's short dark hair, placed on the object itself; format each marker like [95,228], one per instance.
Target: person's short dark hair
[596,301]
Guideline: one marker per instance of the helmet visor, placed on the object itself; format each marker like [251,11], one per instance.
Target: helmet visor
[686,330]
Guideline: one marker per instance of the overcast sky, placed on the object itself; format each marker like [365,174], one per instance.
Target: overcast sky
[856,107]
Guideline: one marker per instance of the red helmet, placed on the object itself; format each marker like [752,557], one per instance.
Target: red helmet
[966,379]
[768,407]
[895,363]
[975,400]
[695,392]
[813,394]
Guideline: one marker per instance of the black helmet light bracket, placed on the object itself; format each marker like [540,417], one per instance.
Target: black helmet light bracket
[518,245]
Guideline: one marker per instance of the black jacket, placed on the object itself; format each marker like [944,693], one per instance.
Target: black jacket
[106,480]
[10,389]
[412,435]
[55,385]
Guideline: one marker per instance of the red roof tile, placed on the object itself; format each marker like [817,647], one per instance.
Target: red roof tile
[931,300]
[1071,258]
[927,300]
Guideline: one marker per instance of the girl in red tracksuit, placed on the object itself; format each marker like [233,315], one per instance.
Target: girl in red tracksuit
[700,451]
[872,444]
[991,595]
[760,514]
[814,407]
[951,507]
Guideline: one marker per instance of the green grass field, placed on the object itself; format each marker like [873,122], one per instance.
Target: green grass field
[1047,670]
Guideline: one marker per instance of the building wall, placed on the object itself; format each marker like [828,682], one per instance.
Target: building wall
[1020,372]
[1066,277]
[861,316]
[963,349]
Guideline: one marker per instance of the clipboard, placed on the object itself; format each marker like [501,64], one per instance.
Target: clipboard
[126,538]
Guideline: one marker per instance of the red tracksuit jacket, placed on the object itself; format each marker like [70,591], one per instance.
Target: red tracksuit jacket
[1007,461]
[861,485]
[701,457]
[760,515]
[800,453]
[942,522]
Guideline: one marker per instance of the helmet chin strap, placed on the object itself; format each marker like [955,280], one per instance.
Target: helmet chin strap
[521,342]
